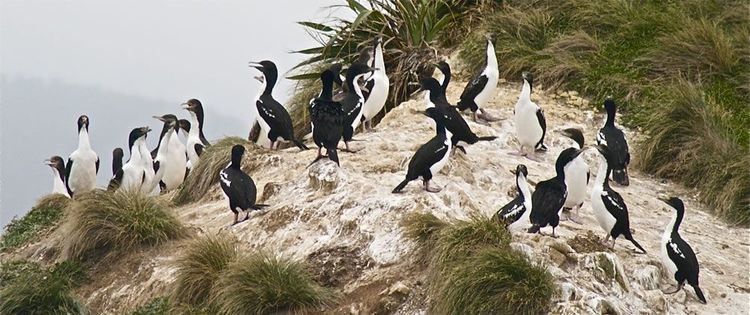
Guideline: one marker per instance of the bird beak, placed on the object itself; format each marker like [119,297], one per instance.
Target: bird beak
[48,162]
[255,65]
[513,172]
[159,118]
[425,113]
[260,78]
[663,197]
[185,106]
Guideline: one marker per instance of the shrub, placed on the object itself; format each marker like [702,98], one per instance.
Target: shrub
[496,281]
[263,284]
[199,269]
[205,175]
[157,306]
[31,289]
[119,222]
[42,216]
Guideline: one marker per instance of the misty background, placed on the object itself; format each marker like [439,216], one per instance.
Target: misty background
[121,62]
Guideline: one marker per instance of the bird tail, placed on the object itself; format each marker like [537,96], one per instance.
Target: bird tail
[629,237]
[333,154]
[258,206]
[488,138]
[699,293]
[400,186]
[621,177]
[300,145]
[464,105]
[542,147]
[534,229]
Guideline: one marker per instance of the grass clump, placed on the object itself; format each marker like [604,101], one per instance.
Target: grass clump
[200,267]
[206,174]
[264,284]
[157,306]
[27,288]
[104,223]
[44,215]
[473,270]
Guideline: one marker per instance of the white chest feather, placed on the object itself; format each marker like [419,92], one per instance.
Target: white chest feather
[378,95]
[528,130]
[174,169]
[576,175]
[83,172]
[58,187]
[435,168]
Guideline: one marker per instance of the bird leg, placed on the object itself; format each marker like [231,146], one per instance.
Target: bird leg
[605,241]
[677,289]
[576,218]
[236,217]
[428,188]
[486,116]
[519,153]
[553,232]
[346,145]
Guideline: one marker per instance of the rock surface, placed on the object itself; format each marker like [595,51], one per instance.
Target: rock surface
[345,223]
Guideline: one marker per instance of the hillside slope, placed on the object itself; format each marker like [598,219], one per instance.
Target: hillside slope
[345,223]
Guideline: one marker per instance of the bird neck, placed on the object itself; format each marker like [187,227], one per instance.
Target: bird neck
[236,162]
[58,186]
[525,91]
[268,83]
[83,139]
[610,117]
[446,80]
[135,151]
[491,57]
[379,62]
[674,224]
[438,97]
[327,92]
[196,122]
[144,152]
[116,165]
[355,87]
[163,146]
[523,186]
[602,174]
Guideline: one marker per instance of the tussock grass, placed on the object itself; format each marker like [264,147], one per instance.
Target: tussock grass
[104,223]
[263,284]
[461,239]
[199,269]
[157,306]
[205,175]
[27,288]
[496,281]
[44,215]
[634,52]
[422,227]
[686,141]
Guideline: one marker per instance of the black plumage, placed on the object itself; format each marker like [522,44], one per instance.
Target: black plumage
[472,89]
[238,187]
[352,100]
[454,122]
[445,69]
[613,204]
[614,138]
[515,209]
[677,255]
[114,183]
[327,118]
[430,157]
[271,111]
[549,196]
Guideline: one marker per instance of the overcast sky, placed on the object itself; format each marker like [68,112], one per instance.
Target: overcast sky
[121,62]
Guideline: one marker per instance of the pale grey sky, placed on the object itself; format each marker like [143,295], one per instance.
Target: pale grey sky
[121,62]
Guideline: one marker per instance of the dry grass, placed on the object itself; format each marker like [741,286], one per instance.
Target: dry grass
[422,227]
[263,284]
[200,267]
[27,288]
[205,175]
[104,223]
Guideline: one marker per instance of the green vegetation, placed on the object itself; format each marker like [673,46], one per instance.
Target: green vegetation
[213,278]
[199,269]
[157,306]
[44,215]
[104,223]
[474,271]
[28,288]
[652,65]
[205,175]
[412,33]
[263,284]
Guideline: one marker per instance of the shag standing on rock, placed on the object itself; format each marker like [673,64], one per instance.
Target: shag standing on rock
[83,163]
[327,119]
[614,138]
[114,183]
[454,122]
[431,156]
[610,209]
[133,172]
[176,167]
[184,131]
[576,177]
[677,256]
[480,90]
[352,100]
[196,141]
[531,126]
[549,196]
[58,173]
[238,187]
[274,120]
[164,159]
[517,211]
[377,85]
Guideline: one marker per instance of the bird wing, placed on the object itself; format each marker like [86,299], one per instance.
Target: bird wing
[614,138]
[157,164]
[238,186]
[328,118]
[547,200]
[429,153]
[368,88]
[616,207]
[276,116]
[456,124]
[352,105]
[683,257]
[198,149]
[474,87]
[542,123]
[512,211]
